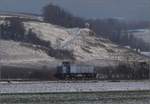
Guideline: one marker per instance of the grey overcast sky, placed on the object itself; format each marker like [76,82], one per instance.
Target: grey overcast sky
[127,9]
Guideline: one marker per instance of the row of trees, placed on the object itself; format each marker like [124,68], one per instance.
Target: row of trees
[12,29]
[113,29]
[132,71]
[117,31]
[56,15]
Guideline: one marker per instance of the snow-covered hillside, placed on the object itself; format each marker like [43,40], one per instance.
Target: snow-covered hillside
[85,45]
[31,16]
[13,53]
[47,31]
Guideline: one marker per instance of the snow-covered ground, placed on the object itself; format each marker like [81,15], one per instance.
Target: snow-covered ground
[84,44]
[142,34]
[146,53]
[47,31]
[4,15]
[50,87]
[13,53]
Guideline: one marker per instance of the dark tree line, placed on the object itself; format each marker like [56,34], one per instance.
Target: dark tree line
[12,29]
[56,15]
[113,29]
[25,73]
[138,24]
[131,71]
[135,71]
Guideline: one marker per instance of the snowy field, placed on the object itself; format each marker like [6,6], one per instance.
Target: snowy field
[135,97]
[142,34]
[54,87]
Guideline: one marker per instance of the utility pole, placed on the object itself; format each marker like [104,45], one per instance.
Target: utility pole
[0,72]
[0,66]
[0,62]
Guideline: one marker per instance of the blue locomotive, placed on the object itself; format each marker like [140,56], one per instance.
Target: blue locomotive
[75,71]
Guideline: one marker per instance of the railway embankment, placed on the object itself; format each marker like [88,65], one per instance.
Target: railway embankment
[72,87]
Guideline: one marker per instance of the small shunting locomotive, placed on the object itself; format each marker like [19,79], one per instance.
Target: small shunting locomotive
[75,71]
